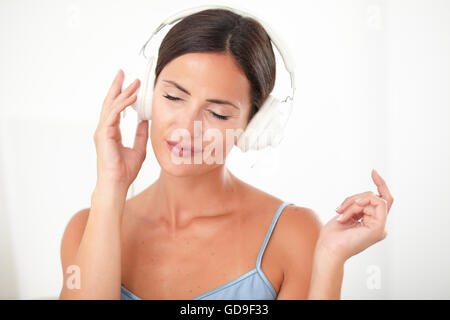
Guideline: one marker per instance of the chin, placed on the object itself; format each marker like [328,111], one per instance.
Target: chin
[186,170]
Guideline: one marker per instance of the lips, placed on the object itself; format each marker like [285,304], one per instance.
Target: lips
[180,149]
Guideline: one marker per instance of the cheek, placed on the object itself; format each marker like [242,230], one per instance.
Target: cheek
[160,118]
[157,108]
[158,123]
[221,137]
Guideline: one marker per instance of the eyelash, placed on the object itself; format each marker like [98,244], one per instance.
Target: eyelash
[213,113]
[219,116]
[171,98]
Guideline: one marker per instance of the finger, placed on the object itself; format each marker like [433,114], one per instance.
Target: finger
[129,90]
[348,201]
[122,99]
[372,222]
[116,85]
[382,187]
[113,92]
[358,216]
[114,116]
[378,203]
[353,211]
[140,141]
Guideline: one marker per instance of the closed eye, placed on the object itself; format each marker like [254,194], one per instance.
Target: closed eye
[171,98]
[219,116]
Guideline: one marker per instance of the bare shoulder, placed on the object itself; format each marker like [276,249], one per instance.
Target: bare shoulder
[304,218]
[296,234]
[293,242]
[74,230]
[298,227]
[295,226]
[290,250]
[300,215]
[72,236]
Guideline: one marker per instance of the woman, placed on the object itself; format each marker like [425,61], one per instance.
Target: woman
[197,231]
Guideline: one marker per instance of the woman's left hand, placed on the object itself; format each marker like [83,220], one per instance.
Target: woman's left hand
[361,223]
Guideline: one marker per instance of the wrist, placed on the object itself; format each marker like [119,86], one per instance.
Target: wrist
[327,275]
[108,186]
[109,193]
[324,256]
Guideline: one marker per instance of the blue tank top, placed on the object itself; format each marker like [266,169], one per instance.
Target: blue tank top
[252,285]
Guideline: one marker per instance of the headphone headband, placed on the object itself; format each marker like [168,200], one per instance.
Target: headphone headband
[276,39]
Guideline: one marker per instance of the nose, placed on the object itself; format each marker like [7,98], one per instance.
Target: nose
[192,121]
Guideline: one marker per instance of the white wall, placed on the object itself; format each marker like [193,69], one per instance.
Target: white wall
[373,81]
[418,152]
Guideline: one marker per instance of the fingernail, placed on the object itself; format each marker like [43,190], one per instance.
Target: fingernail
[360,200]
[340,218]
[338,208]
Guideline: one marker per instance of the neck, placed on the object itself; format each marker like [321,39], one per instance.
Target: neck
[182,199]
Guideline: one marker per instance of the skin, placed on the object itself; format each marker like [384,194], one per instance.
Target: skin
[198,226]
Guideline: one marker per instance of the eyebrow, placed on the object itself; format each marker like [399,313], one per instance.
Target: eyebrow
[218,101]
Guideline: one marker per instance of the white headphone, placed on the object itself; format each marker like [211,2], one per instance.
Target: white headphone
[267,125]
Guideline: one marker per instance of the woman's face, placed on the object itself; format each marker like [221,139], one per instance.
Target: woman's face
[203,101]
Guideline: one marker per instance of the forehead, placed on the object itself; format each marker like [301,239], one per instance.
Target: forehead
[209,74]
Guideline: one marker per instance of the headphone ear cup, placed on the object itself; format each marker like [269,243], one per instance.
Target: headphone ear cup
[144,105]
[256,136]
[280,118]
[135,70]
[268,131]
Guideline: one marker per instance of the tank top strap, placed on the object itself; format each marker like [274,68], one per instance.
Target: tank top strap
[269,232]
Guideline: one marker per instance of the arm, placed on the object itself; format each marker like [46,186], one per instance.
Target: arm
[91,242]
[300,229]
[309,272]
[318,253]
[326,278]
[361,223]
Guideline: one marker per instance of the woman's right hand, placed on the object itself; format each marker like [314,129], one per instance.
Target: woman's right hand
[117,164]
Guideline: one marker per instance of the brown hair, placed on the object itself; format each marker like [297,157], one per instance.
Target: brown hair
[221,30]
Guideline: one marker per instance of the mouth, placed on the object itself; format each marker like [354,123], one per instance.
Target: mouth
[181,150]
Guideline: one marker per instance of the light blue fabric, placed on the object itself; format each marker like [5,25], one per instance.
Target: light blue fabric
[252,285]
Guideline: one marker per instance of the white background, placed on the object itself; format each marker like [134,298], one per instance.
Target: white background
[373,80]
